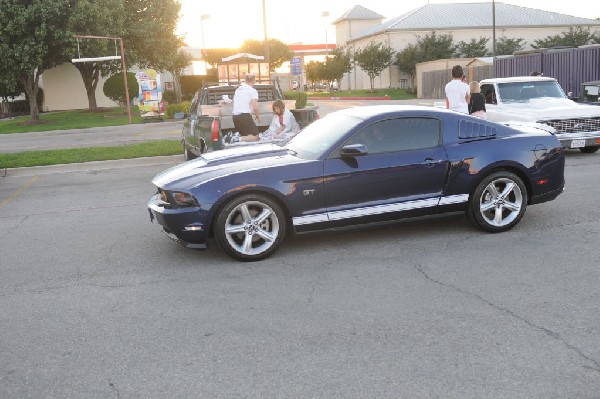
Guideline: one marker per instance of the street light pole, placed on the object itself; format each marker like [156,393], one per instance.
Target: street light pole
[202,18]
[493,37]
[325,14]
[264,10]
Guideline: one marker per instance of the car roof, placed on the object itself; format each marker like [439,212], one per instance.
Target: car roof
[364,112]
[516,79]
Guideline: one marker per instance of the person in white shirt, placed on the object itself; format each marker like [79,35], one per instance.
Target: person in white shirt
[245,102]
[458,93]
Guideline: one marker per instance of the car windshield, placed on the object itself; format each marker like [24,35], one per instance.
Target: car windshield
[525,91]
[318,137]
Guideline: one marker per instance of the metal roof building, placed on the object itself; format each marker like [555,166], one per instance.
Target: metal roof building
[464,21]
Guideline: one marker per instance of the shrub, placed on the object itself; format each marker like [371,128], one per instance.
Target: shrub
[169,96]
[172,109]
[114,88]
[300,97]
[19,107]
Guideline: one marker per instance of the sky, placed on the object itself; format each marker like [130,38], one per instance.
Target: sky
[230,22]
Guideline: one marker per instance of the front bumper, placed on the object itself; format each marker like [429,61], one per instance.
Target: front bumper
[579,139]
[184,225]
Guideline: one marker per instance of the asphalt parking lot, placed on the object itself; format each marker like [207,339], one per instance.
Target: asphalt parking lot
[96,302]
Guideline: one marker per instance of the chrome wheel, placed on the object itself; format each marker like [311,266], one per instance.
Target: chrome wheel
[499,202]
[251,227]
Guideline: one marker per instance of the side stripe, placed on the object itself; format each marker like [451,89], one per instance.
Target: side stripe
[454,199]
[379,209]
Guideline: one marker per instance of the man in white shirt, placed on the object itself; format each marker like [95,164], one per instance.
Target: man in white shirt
[245,102]
[458,94]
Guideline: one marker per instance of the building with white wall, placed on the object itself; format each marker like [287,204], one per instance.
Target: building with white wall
[465,21]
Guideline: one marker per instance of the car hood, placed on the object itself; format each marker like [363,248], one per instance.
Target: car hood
[220,163]
[541,109]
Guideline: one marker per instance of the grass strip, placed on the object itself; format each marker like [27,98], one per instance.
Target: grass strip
[394,94]
[89,154]
[65,120]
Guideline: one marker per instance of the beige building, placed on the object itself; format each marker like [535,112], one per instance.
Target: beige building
[64,89]
[359,26]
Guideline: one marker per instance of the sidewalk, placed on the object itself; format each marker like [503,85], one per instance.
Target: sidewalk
[91,137]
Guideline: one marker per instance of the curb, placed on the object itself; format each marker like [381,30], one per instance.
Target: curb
[90,166]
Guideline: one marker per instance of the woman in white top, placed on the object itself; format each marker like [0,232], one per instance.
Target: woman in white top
[283,127]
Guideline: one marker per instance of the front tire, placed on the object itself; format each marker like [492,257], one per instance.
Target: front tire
[250,227]
[499,202]
[589,149]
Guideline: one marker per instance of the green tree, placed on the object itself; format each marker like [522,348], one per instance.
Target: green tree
[314,71]
[473,48]
[175,65]
[575,37]
[150,31]
[146,27]
[373,59]
[337,64]
[428,48]
[279,52]
[215,56]
[97,18]
[10,88]
[506,46]
[34,37]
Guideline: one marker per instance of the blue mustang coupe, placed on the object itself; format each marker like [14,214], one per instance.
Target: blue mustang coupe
[357,166]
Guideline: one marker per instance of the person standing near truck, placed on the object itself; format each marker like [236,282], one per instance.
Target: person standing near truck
[245,103]
[457,92]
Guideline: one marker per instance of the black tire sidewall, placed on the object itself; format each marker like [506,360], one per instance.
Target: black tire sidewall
[474,212]
[221,221]
[590,149]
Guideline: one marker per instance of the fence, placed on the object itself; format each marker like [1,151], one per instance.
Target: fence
[570,67]
[434,82]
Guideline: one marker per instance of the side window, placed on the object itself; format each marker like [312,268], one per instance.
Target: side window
[489,93]
[398,134]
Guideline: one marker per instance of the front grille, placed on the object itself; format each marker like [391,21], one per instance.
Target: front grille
[576,125]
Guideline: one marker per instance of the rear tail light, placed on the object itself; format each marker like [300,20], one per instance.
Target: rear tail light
[214,131]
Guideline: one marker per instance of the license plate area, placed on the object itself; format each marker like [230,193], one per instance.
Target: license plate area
[577,143]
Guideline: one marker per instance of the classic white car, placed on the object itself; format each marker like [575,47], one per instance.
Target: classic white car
[541,100]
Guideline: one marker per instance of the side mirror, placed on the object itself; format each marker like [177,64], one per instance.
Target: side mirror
[353,150]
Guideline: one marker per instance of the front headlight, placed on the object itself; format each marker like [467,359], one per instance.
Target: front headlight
[183,199]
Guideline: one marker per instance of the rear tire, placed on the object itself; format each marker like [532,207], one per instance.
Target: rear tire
[250,227]
[589,149]
[498,203]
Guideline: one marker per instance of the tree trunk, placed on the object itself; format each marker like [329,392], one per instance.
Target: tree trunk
[177,86]
[90,75]
[372,80]
[31,89]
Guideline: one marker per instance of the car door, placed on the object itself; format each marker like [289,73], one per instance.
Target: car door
[405,168]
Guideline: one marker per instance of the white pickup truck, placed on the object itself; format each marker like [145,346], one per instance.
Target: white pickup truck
[541,100]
